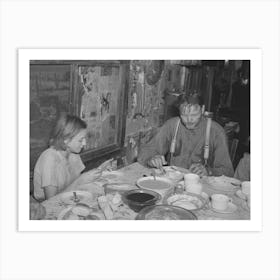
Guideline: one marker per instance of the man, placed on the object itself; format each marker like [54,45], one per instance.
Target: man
[188,134]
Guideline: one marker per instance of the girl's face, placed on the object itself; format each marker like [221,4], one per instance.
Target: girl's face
[76,144]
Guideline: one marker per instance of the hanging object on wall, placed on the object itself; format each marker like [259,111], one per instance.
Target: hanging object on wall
[153,71]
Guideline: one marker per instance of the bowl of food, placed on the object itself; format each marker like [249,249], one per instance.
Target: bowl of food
[155,183]
[140,198]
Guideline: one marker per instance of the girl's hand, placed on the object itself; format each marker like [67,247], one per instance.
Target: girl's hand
[90,176]
[106,165]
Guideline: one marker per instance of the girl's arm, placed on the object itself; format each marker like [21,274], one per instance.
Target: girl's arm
[50,191]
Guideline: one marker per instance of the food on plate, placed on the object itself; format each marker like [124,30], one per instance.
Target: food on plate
[140,197]
[113,207]
[174,175]
[185,201]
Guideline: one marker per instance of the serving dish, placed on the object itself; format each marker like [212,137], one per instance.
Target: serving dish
[165,212]
[186,200]
[154,183]
[139,198]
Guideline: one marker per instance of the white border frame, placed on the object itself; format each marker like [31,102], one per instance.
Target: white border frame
[254,55]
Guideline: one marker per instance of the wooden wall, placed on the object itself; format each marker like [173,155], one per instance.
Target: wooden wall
[148,105]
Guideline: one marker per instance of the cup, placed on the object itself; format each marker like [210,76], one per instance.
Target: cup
[245,187]
[192,183]
[191,178]
[220,201]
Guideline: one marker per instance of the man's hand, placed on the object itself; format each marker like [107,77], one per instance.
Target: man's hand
[157,161]
[199,169]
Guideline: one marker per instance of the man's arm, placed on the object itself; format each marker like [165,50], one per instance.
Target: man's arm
[158,145]
[222,164]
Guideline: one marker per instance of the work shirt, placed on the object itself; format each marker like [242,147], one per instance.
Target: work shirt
[242,171]
[53,169]
[189,147]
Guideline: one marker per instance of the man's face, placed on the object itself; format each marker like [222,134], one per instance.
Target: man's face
[190,115]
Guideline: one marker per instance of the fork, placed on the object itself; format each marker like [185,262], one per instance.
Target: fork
[162,170]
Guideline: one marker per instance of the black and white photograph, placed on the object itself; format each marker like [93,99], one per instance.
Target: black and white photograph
[139,140]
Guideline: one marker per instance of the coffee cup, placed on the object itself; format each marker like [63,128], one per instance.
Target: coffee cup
[192,183]
[220,201]
[245,187]
[191,178]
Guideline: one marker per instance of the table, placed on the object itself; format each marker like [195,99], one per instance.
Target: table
[131,174]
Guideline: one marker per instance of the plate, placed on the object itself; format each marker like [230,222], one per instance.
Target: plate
[62,214]
[223,183]
[118,187]
[68,214]
[160,183]
[188,201]
[165,212]
[230,209]
[112,176]
[68,197]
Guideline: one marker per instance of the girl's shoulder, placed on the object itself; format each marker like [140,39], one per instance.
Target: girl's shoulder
[48,155]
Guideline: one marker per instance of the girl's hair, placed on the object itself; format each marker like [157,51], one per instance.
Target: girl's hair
[66,127]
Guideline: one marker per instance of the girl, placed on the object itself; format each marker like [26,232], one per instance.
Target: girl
[61,165]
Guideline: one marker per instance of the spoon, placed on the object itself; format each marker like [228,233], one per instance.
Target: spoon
[154,174]
[76,199]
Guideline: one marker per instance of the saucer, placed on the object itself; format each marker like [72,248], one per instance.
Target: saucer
[230,209]
[241,195]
